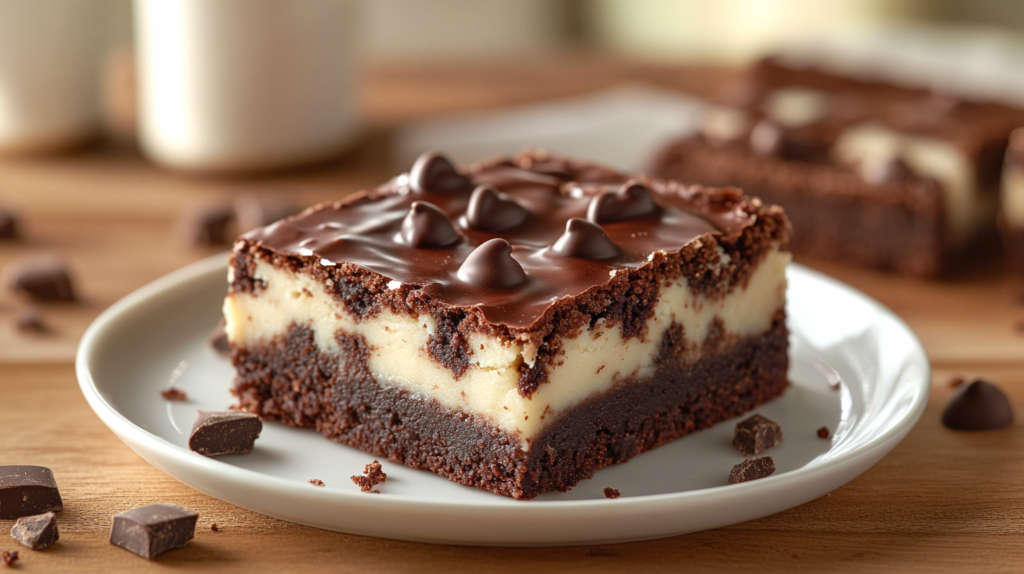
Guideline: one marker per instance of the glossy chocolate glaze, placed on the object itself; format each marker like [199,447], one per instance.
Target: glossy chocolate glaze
[373,231]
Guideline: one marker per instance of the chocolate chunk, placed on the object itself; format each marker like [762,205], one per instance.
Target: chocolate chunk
[756,434]
[9,225]
[823,433]
[37,532]
[9,557]
[41,278]
[151,530]
[426,226]
[28,490]
[316,482]
[214,528]
[768,138]
[207,223]
[254,210]
[224,432]
[611,493]
[956,381]
[978,406]
[218,340]
[373,475]
[30,320]
[492,266]
[585,240]
[881,172]
[490,210]
[752,469]
[433,172]
[174,394]
[630,201]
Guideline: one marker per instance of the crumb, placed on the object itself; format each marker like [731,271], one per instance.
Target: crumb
[374,476]
[611,493]
[835,385]
[173,394]
[752,469]
[823,433]
[214,528]
[9,557]
[956,381]
[316,482]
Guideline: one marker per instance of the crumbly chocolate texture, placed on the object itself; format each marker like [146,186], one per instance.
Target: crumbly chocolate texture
[752,469]
[611,493]
[38,532]
[372,476]
[756,434]
[174,394]
[337,395]
[27,491]
[714,264]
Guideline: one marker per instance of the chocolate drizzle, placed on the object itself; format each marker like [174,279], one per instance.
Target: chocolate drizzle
[365,230]
[427,226]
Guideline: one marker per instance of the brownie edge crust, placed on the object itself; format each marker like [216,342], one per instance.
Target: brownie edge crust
[291,381]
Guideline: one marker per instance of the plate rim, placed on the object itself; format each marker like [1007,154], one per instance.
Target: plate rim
[129,432]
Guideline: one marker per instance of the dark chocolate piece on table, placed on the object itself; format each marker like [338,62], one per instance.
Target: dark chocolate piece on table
[823,433]
[9,557]
[433,172]
[956,381]
[611,493]
[9,225]
[585,240]
[752,469]
[224,432]
[756,434]
[30,320]
[174,394]
[207,223]
[491,210]
[41,278]
[426,226]
[492,266]
[372,476]
[978,406]
[218,340]
[37,532]
[153,529]
[27,491]
[214,528]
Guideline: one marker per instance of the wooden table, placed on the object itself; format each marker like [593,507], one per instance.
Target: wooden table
[941,501]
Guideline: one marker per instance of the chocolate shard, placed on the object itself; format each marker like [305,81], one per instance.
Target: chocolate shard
[10,226]
[768,138]
[883,171]
[433,172]
[218,340]
[426,226]
[756,434]
[207,223]
[585,240]
[631,200]
[151,530]
[28,490]
[492,266]
[978,406]
[752,469]
[224,432]
[491,210]
[41,278]
[257,209]
[38,532]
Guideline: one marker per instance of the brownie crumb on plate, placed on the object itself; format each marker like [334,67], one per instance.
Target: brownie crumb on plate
[756,434]
[316,482]
[752,469]
[174,394]
[373,475]
[218,340]
[9,557]
[978,406]
[611,493]
[823,433]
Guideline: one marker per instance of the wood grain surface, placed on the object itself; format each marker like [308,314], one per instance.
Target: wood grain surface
[942,501]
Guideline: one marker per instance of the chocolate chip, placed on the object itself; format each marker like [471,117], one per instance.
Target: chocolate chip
[611,493]
[9,225]
[218,339]
[37,532]
[426,226]
[28,490]
[258,209]
[768,138]
[9,557]
[585,240]
[978,406]
[224,432]
[372,476]
[490,210]
[881,172]
[630,201]
[823,433]
[41,278]
[174,394]
[752,469]
[433,172]
[207,223]
[492,266]
[151,530]
[30,320]
[756,434]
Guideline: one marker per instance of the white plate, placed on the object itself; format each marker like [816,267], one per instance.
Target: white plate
[134,348]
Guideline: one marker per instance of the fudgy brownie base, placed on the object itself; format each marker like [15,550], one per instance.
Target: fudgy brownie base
[291,381]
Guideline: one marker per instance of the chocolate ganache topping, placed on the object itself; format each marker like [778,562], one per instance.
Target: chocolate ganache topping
[509,237]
